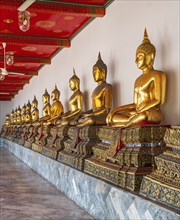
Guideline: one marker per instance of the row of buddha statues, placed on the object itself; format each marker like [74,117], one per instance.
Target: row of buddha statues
[149,95]
[126,146]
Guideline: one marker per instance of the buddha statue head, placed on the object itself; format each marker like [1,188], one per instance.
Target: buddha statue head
[19,110]
[99,70]
[46,97]
[23,110]
[55,94]
[28,107]
[74,82]
[34,103]
[145,53]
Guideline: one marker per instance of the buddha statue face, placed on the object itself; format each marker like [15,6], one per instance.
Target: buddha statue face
[28,107]
[18,111]
[23,110]
[46,97]
[55,94]
[72,85]
[99,70]
[144,60]
[34,103]
[99,75]
[74,82]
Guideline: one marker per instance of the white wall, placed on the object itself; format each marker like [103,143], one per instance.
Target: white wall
[116,36]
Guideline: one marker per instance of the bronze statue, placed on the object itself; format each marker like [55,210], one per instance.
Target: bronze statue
[35,111]
[75,102]
[149,92]
[56,108]
[101,97]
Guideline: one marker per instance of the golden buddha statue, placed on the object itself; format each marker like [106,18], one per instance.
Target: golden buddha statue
[75,102]
[47,107]
[7,120]
[12,117]
[28,117]
[149,92]
[23,114]
[15,117]
[101,98]
[56,108]
[35,111]
[18,115]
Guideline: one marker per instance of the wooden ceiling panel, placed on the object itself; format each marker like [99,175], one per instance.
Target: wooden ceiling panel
[53,24]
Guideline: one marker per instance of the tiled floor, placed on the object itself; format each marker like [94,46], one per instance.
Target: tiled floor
[24,195]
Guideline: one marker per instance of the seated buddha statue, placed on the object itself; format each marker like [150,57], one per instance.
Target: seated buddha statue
[12,117]
[18,115]
[101,98]
[23,114]
[35,111]
[28,117]
[56,109]
[15,117]
[47,107]
[7,120]
[75,102]
[149,92]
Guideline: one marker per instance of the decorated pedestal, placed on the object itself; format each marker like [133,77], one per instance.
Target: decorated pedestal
[15,132]
[55,143]
[18,133]
[3,131]
[68,154]
[163,184]
[24,135]
[41,138]
[33,132]
[75,152]
[125,165]
[10,132]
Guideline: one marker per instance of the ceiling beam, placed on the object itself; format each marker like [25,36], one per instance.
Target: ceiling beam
[7,81]
[26,72]
[21,59]
[31,40]
[10,88]
[7,96]
[47,7]
[8,92]
[5,99]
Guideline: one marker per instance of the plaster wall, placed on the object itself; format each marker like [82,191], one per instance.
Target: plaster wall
[116,36]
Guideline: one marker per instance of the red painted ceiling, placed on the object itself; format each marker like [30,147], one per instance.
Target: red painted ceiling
[53,25]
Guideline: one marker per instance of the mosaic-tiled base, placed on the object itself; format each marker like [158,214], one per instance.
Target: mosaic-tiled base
[160,192]
[51,152]
[120,175]
[102,200]
[37,147]
[27,144]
